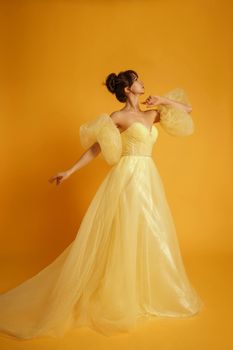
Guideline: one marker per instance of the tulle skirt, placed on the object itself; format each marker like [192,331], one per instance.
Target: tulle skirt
[124,266]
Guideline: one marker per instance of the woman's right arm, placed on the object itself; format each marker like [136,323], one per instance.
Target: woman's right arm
[83,160]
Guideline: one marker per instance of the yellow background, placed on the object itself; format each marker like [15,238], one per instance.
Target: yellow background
[55,55]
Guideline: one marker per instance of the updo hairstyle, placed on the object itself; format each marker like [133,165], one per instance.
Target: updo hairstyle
[116,83]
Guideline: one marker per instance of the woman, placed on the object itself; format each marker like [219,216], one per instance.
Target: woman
[124,266]
[127,88]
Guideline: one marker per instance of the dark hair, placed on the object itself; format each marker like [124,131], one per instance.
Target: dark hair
[116,83]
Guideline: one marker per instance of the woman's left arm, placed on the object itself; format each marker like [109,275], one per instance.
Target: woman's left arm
[161,100]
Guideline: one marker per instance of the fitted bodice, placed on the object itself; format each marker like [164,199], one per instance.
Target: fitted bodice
[137,139]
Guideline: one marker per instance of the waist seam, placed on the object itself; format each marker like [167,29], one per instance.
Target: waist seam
[136,155]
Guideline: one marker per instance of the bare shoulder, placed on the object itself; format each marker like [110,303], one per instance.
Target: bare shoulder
[154,114]
[116,117]
[120,120]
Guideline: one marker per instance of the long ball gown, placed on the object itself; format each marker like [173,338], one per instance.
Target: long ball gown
[125,265]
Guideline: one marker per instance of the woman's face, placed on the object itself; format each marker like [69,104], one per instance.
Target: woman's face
[137,87]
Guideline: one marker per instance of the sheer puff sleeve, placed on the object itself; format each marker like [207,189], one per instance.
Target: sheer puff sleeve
[103,130]
[174,120]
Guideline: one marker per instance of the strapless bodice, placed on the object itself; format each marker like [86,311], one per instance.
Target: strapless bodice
[138,140]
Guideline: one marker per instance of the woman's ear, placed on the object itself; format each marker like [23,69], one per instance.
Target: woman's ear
[127,89]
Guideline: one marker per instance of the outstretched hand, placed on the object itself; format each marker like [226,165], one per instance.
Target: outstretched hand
[59,177]
[153,100]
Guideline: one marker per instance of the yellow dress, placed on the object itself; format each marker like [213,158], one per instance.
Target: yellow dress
[125,265]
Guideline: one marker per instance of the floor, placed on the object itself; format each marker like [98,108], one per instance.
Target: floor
[211,329]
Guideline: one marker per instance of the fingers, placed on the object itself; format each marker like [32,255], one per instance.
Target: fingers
[148,100]
[59,180]
[56,178]
[148,103]
[51,179]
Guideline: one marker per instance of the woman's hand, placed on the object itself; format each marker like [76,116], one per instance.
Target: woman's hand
[153,100]
[60,177]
